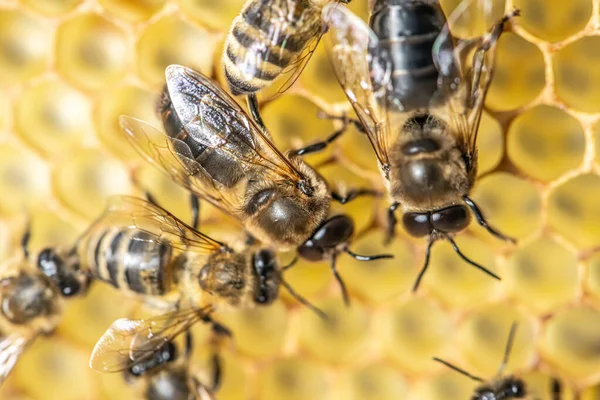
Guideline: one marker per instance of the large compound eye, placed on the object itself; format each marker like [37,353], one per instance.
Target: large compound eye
[451,220]
[310,251]
[517,389]
[334,231]
[417,224]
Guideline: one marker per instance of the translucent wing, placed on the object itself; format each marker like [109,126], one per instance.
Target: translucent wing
[129,342]
[363,71]
[160,224]
[212,119]
[200,391]
[11,348]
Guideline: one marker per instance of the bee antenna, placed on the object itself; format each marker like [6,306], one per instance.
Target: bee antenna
[361,257]
[425,265]
[25,240]
[301,299]
[509,344]
[291,264]
[482,221]
[455,368]
[469,261]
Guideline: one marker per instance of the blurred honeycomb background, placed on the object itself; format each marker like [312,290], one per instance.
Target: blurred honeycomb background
[69,68]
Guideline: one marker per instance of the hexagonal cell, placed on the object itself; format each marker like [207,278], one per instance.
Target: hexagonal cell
[556,22]
[340,338]
[319,78]
[91,51]
[490,144]
[381,280]
[453,280]
[172,40]
[293,379]
[577,72]
[52,7]
[517,215]
[53,117]
[414,332]
[84,181]
[24,179]
[545,142]
[570,342]
[445,385]
[215,15]
[25,46]
[519,75]
[376,382]
[483,334]
[573,210]
[592,276]
[123,100]
[133,10]
[542,275]
[56,368]
[260,331]
[476,19]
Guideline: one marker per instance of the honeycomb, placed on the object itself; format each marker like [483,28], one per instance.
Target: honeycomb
[69,68]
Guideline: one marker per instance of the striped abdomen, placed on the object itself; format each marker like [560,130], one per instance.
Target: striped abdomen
[265,38]
[129,260]
[407,29]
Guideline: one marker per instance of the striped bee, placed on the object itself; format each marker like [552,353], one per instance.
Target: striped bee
[271,40]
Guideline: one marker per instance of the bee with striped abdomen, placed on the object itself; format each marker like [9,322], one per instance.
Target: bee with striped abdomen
[271,41]
[419,95]
[213,149]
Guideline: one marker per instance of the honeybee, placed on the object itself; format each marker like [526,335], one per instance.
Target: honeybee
[419,96]
[270,40]
[31,301]
[213,149]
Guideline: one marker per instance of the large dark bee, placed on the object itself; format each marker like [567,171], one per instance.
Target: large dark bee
[269,40]
[419,96]
[213,149]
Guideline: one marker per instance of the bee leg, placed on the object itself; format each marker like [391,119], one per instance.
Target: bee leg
[151,199]
[254,111]
[392,221]
[195,204]
[481,221]
[425,266]
[556,389]
[468,261]
[217,367]
[351,195]
[339,280]
[25,241]
[319,146]
[360,257]
[189,344]
[357,124]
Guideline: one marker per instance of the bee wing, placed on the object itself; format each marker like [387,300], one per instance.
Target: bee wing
[160,224]
[128,342]
[213,119]
[200,391]
[363,70]
[11,348]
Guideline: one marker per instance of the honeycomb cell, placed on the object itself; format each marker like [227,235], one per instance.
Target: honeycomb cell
[49,228]
[319,78]
[556,22]
[91,52]
[58,369]
[293,379]
[453,280]
[340,338]
[52,7]
[517,215]
[573,210]
[546,142]
[376,382]
[259,331]
[413,332]
[25,44]
[519,74]
[382,280]
[592,276]
[490,144]
[53,117]
[85,180]
[123,100]
[577,71]
[133,10]
[482,338]
[542,275]
[24,179]
[445,385]
[570,342]
[215,15]
[172,40]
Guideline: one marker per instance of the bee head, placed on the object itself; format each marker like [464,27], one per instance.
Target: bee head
[27,296]
[223,276]
[451,219]
[64,271]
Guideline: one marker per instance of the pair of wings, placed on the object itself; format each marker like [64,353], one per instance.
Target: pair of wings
[364,68]
[11,348]
[214,121]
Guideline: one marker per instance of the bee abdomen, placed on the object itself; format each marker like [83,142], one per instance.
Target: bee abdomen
[407,29]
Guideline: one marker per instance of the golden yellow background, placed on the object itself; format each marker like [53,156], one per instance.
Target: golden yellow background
[69,68]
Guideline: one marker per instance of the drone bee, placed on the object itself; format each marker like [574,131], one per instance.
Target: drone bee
[270,40]
[215,151]
[31,301]
[419,97]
